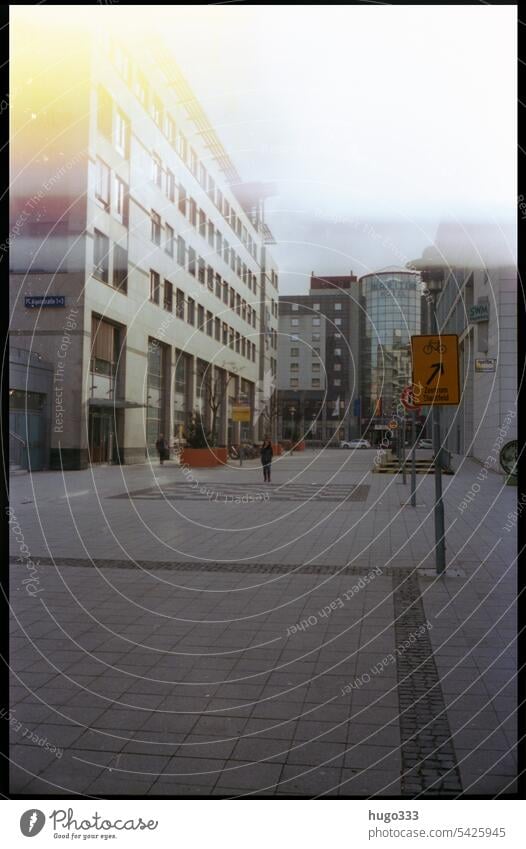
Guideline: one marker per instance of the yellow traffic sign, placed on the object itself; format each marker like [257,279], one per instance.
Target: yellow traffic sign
[435,369]
[241,414]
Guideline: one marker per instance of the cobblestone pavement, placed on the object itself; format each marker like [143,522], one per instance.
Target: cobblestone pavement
[171,639]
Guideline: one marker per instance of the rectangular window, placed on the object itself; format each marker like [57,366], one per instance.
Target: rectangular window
[294,366]
[191,262]
[141,89]
[181,251]
[155,286]
[238,304]
[122,133]
[120,268]
[200,317]
[202,224]
[238,342]
[232,298]
[315,322]
[337,367]
[102,184]
[337,352]
[101,246]
[157,170]
[203,176]
[179,304]
[225,334]
[336,382]
[168,296]
[192,212]
[232,259]
[209,323]
[315,337]
[217,325]
[211,188]
[338,322]
[226,251]
[337,307]
[157,111]
[315,366]
[294,322]
[104,112]
[294,352]
[219,243]
[156,228]
[315,382]
[104,346]
[210,277]
[182,199]
[170,185]
[219,200]
[182,146]
[121,201]
[193,162]
[190,316]
[218,285]
[243,346]
[316,307]
[293,382]
[225,293]
[201,270]
[170,129]
[211,234]
[169,240]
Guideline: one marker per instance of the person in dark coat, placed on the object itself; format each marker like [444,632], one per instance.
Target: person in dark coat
[162,448]
[266,458]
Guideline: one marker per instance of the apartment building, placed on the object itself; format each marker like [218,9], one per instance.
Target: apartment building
[140,269]
[318,360]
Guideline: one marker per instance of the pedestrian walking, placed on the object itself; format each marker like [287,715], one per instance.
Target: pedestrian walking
[162,448]
[266,458]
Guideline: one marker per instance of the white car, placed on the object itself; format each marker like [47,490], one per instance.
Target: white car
[355,443]
[425,443]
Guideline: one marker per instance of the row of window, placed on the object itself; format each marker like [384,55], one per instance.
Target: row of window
[185,309]
[153,104]
[316,322]
[316,307]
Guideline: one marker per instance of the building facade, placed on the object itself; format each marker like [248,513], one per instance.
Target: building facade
[140,270]
[318,361]
[391,301]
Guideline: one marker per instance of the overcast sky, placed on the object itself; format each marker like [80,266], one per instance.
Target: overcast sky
[372,122]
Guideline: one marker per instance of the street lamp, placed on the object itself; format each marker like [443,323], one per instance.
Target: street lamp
[432,275]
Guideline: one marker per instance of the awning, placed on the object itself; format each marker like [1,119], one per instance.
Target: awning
[114,404]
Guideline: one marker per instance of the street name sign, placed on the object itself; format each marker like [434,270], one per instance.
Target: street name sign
[35,301]
[435,369]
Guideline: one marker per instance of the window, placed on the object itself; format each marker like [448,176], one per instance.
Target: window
[120,268]
[191,261]
[217,325]
[203,176]
[102,184]
[231,338]
[157,111]
[211,234]
[168,296]
[190,316]
[156,228]
[315,367]
[315,337]
[170,185]
[294,322]
[182,147]
[295,307]
[232,298]
[179,304]
[225,293]
[122,133]
[181,251]
[243,346]
[210,277]
[315,322]
[226,251]
[225,209]
[182,199]
[337,367]
[294,366]
[337,352]
[315,352]
[338,322]
[201,270]
[209,323]
[192,212]
[315,382]
[193,161]
[202,224]
[155,285]
[211,188]
[232,259]
[336,382]
[104,112]
[104,346]
[293,382]
[294,352]
[141,89]
[101,246]
[200,317]
[219,200]
[225,334]
[238,304]
[337,307]
[157,170]
[121,201]
[219,243]
[218,285]
[169,242]
[238,342]
[170,129]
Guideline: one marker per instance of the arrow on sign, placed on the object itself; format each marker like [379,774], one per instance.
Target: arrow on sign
[439,367]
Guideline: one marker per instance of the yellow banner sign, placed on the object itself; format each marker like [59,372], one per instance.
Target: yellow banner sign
[435,369]
[241,414]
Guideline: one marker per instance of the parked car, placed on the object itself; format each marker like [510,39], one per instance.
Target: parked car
[425,443]
[355,443]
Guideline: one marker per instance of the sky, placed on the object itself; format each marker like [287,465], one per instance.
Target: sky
[370,123]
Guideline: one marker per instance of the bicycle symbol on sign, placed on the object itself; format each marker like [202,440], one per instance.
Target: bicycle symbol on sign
[436,346]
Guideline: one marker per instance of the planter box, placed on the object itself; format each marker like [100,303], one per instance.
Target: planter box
[201,457]
[277,450]
[300,446]
[221,455]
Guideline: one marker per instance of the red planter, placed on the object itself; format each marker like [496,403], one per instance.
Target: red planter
[277,450]
[201,458]
[300,446]
[221,455]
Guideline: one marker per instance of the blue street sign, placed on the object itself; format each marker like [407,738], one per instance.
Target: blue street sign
[34,301]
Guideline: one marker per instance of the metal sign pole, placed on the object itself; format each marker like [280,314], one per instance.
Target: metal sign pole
[413,458]
[440,541]
[404,479]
